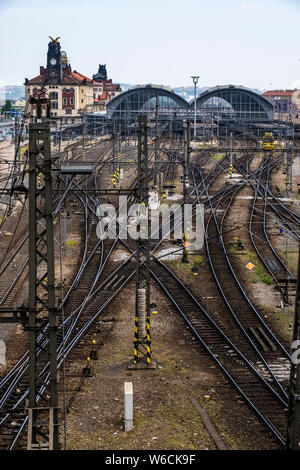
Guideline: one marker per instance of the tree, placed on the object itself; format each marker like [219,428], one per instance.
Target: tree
[7,106]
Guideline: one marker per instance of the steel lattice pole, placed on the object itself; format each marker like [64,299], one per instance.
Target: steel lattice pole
[142,340]
[42,433]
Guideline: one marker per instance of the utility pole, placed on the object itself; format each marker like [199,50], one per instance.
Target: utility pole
[293,417]
[231,157]
[16,132]
[43,395]
[59,141]
[142,338]
[289,173]
[156,139]
[114,153]
[186,133]
[83,135]
[195,81]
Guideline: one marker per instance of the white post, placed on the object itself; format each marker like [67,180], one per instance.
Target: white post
[2,353]
[128,406]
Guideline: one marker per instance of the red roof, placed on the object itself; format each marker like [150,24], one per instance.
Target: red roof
[104,96]
[37,80]
[68,78]
[107,85]
[279,93]
[81,77]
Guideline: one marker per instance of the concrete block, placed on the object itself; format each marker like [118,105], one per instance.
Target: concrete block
[128,406]
[2,353]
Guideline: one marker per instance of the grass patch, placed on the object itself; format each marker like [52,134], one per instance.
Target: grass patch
[71,242]
[218,156]
[234,248]
[198,260]
[187,271]
[23,149]
[259,270]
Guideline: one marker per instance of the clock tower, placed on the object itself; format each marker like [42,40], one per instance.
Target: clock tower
[54,65]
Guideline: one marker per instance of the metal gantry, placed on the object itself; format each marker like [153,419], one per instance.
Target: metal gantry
[43,396]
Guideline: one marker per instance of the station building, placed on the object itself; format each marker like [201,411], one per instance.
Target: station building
[71,93]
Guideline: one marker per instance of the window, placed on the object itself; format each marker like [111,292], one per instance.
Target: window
[65,101]
[71,90]
[71,100]
[68,111]
[64,90]
[81,101]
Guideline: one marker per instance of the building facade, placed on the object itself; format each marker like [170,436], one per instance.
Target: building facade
[70,92]
[103,88]
[284,101]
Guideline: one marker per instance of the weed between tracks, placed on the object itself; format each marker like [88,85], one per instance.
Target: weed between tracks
[187,270]
[259,272]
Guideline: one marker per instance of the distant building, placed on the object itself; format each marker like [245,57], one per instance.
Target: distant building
[70,92]
[284,101]
[103,88]
[18,106]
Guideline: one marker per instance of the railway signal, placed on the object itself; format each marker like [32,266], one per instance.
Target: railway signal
[250,266]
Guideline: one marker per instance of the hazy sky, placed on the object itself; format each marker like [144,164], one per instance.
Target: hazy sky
[254,43]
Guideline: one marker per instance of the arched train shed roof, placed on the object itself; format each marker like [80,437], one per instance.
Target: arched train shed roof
[141,94]
[242,100]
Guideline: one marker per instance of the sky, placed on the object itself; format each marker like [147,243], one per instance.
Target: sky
[254,43]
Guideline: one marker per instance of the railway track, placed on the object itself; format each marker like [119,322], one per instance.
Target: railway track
[238,369]
[82,304]
[260,239]
[82,314]
[257,377]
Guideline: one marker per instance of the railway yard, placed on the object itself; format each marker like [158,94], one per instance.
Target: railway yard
[217,374]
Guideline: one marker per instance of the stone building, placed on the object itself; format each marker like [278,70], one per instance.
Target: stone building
[104,89]
[284,101]
[70,92]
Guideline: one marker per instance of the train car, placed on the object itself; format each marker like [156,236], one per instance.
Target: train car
[268,141]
